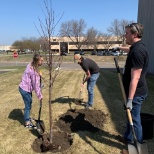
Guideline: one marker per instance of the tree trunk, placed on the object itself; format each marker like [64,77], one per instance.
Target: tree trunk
[50,94]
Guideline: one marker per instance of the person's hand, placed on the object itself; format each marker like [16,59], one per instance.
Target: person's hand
[40,73]
[41,100]
[129,104]
[115,49]
[82,85]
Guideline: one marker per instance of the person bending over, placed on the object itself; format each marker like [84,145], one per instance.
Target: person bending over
[92,73]
[31,81]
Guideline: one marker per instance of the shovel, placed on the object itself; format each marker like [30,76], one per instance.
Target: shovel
[39,123]
[80,94]
[136,147]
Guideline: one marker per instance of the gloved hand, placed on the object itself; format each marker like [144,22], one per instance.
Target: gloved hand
[115,49]
[129,104]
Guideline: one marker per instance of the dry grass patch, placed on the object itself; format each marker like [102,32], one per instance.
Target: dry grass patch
[15,139]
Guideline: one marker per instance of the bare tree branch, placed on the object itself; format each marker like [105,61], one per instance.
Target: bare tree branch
[74,30]
[52,62]
[117,29]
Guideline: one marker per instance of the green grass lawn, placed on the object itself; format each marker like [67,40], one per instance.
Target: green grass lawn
[69,58]
[15,139]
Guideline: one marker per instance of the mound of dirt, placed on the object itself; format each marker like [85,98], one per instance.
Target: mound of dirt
[81,120]
[70,122]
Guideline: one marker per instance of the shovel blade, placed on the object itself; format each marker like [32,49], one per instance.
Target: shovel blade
[140,149]
[40,127]
[132,149]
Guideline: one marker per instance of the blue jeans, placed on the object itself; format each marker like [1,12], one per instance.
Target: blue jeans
[135,112]
[90,87]
[27,98]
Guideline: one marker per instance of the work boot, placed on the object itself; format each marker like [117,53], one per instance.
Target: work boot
[87,106]
[124,151]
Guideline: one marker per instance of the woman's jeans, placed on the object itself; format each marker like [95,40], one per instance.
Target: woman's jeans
[90,87]
[27,98]
[135,112]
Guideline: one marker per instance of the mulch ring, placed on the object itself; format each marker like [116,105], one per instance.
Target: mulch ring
[70,122]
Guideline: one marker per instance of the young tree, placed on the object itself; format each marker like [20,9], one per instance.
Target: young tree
[52,61]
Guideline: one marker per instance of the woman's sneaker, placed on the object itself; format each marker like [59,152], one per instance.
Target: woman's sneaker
[31,120]
[30,126]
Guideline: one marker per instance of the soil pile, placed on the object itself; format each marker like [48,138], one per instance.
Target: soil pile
[81,120]
[61,141]
[70,122]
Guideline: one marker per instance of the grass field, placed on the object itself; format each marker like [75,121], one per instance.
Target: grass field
[15,139]
[69,58]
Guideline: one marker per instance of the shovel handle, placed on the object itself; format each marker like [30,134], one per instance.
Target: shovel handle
[117,66]
[129,117]
[39,115]
[124,96]
[120,81]
[131,123]
[83,77]
[123,92]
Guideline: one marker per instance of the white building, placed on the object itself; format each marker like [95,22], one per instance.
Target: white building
[5,47]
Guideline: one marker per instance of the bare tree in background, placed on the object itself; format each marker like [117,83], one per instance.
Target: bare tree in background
[52,62]
[117,29]
[114,29]
[93,37]
[74,30]
[107,40]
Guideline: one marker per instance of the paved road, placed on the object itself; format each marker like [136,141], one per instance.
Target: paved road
[64,65]
[71,66]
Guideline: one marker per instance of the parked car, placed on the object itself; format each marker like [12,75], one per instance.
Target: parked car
[79,52]
[2,50]
[115,53]
[82,52]
[94,52]
[63,54]
[28,51]
[21,52]
[76,52]
[107,53]
[100,53]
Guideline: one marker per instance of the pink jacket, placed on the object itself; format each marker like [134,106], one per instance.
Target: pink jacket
[31,81]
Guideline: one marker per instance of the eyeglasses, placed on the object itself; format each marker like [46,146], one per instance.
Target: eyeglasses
[135,27]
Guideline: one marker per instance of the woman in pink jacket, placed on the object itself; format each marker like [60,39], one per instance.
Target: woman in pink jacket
[31,82]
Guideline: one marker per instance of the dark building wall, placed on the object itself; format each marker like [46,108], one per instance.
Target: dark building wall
[146,17]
